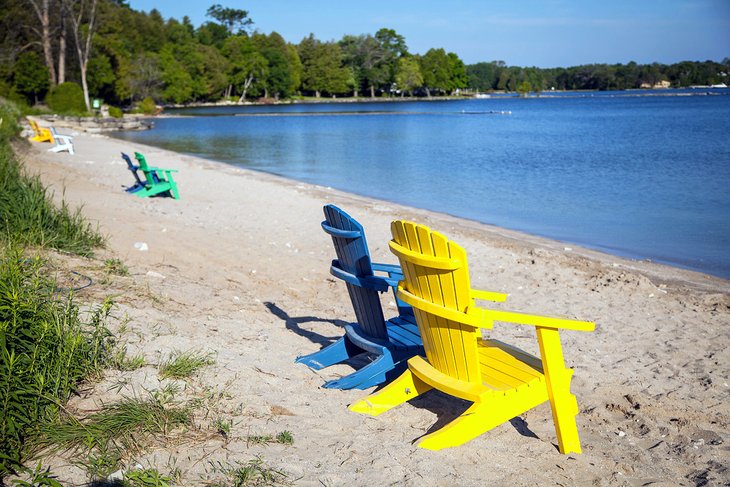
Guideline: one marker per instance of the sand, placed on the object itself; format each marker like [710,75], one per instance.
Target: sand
[239,267]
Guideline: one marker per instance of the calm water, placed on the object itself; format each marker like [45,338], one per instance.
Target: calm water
[645,177]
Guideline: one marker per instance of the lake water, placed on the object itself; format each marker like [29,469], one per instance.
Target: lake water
[639,176]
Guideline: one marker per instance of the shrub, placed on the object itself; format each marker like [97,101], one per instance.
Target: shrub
[31,76]
[9,115]
[47,349]
[148,106]
[67,98]
[29,217]
[115,112]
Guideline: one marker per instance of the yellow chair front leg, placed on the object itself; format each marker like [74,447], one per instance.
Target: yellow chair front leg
[404,388]
[563,404]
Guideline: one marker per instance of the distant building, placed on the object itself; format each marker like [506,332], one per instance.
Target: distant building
[661,84]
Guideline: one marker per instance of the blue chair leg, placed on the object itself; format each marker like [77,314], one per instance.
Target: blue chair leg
[339,351]
[370,375]
[135,188]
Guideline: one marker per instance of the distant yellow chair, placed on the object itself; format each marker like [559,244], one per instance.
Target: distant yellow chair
[42,134]
[501,381]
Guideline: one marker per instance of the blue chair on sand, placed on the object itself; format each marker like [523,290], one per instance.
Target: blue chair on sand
[393,341]
[133,169]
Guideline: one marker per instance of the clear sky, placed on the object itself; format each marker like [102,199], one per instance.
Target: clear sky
[543,33]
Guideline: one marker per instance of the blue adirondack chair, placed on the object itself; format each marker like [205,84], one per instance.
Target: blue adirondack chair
[133,169]
[393,341]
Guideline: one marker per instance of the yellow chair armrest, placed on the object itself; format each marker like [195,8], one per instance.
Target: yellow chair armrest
[488,295]
[536,320]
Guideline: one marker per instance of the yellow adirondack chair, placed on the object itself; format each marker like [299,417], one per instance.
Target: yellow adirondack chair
[42,134]
[500,380]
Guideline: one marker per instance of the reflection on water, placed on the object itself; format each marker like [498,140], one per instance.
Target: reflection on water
[646,177]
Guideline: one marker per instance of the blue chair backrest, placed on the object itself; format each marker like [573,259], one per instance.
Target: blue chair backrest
[353,258]
[131,167]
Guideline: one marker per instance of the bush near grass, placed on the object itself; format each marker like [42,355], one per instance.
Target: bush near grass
[115,112]
[47,348]
[9,114]
[29,217]
[148,106]
[67,99]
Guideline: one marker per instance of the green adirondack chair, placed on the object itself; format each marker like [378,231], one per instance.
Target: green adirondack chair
[158,181]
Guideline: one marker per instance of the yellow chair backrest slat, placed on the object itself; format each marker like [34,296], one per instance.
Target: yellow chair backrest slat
[436,272]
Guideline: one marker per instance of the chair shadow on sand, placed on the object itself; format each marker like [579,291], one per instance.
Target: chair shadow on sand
[448,408]
[294,324]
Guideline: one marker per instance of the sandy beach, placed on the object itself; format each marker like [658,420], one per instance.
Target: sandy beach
[239,267]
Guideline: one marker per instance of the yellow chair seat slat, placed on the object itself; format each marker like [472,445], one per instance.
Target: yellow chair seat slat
[502,371]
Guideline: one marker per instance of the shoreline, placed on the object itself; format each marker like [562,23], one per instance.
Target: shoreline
[630,261]
[239,267]
[490,95]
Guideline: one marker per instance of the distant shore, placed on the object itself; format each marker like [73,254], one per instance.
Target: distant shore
[696,91]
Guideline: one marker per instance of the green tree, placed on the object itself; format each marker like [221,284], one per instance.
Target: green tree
[177,82]
[295,67]
[146,78]
[236,21]
[323,70]
[524,88]
[30,76]
[458,78]
[484,76]
[212,34]
[435,70]
[350,58]
[408,77]
[278,82]
[367,58]
[245,64]
[394,47]
[101,76]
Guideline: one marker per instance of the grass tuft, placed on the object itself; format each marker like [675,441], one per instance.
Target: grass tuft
[253,473]
[183,365]
[116,431]
[223,427]
[146,478]
[285,438]
[116,267]
[120,361]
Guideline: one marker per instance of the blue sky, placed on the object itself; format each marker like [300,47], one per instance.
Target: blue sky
[543,33]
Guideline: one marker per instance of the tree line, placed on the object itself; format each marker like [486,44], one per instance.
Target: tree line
[497,76]
[123,56]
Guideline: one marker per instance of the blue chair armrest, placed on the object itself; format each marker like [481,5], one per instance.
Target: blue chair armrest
[393,270]
[395,274]
[376,283]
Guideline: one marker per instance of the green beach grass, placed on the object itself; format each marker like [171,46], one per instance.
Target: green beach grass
[47,345]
